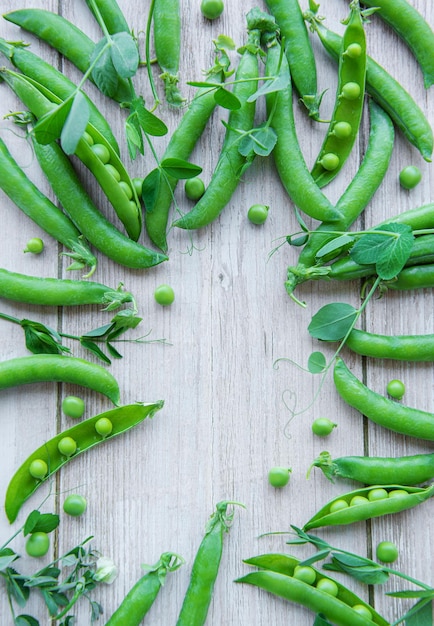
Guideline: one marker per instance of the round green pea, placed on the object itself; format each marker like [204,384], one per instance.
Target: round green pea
[194,188]
[350,91]
[397,493]
[113,171]
[103,426]
[67,446]
[328,586]
[396,389]
[38,469]
[73,407]
[126,189]
[38,544]
[101,151]
[357,500]
[323,426]
[338,505]
[305,573]
[330,161]
[361,609]
[410,176]
[387,551]
[354,50]
[211,9]
[377,494]
[279,476]
[258,213]
[164,295]
[75,505]
[138,184]
[342,130]
[34,245]
[88,138]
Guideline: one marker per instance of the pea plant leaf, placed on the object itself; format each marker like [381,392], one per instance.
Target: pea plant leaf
[421,614]
[134,136]
[25,620]
[180,169]
[124,54]
[281,81]
[41,339]
[75,123]
[335,244]
[316,363]
[260,140]
[150,189]
[332,321]
[227,99]
[7,556]
[95,349]
[49,126]
[104,73]
[388,253]
[369,572]
[148,122]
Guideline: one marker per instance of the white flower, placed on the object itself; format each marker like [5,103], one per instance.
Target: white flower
[106,570]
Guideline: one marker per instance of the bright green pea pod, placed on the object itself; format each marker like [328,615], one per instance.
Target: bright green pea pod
[111,14]
[276,577]
[397,347]
[412,28]
[348,109]
[38,368]
[23,485]
[418,277]
[379,409]
[405,498]
[167,43]
[142,595]
[371,470]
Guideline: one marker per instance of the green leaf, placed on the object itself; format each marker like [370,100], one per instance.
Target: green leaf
[151,188]
[300,240]
[396,256]
[7,556]
[95,349]
[98,332]
[321,620]
[31,522]
[104,73]
[49,127]
[25,620]
[180,169]
[41,339]
[46,522]
[134,136]
[75,123]
[113,352]
[333,321]
[388,253]
[368,574]
[335,244]
[260,140]
[318,556]
[16,587]
[150,123]
[227,99]
[421,614]
[316,363]
[124,54]
[281,81]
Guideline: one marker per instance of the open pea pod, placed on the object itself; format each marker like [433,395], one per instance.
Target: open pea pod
[368,502]
[276,575]
[85,435]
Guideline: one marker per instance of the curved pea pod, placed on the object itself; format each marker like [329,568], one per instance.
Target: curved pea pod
[111,14]
[363,509]
[23,485]
[371,470]
[276,575]
[38,368]
[398,347]
[379,409]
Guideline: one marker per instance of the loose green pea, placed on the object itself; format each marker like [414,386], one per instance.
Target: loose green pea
[38,544]
[323,426]
[73,407]
[279,476]
[164,295]
[305,573]
[387,551]
[338,505]
[126,189]
[410,176]
[350,91]
[103,426]
[67,446]
[377,494]
[194,188]
[75,505]
[330,161]
[211,9]
[113,171]
[357,500]
[101,151]
[34,245]
[258,213]
[38,469]
[396,389]
[342,130]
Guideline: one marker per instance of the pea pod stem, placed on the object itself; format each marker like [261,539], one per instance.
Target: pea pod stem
[22,485]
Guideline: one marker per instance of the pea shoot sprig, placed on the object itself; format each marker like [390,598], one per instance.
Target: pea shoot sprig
[369,572]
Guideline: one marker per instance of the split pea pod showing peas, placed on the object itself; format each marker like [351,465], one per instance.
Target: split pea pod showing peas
[142,595]
[281,575]
[363,504]
[53,83]
[66,38]
[412,28]
[372,470]
[379,409]
[40,209]
[78,205]
[205,568]
[290,164]
[59,291]
[93,150]
[299,52]
[348,109]
[22,485]
[231,163]
[39,368]
[386,91]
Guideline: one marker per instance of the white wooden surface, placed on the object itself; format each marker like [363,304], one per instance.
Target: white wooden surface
[227,408]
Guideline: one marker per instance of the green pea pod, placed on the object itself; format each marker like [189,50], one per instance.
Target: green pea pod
[23,484]
[128,211]
[357,507]
[371,470]
[142,595]
[348,109]
[38,368]
[90,221]
[397,347]
[277,577]
[66,38]
[59,291]
[206,564]
[111,14]
[417,217]
[379,409]
[417,277]
[167,43]
[53,83]
[33,203]
[412,28]
[387,92]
